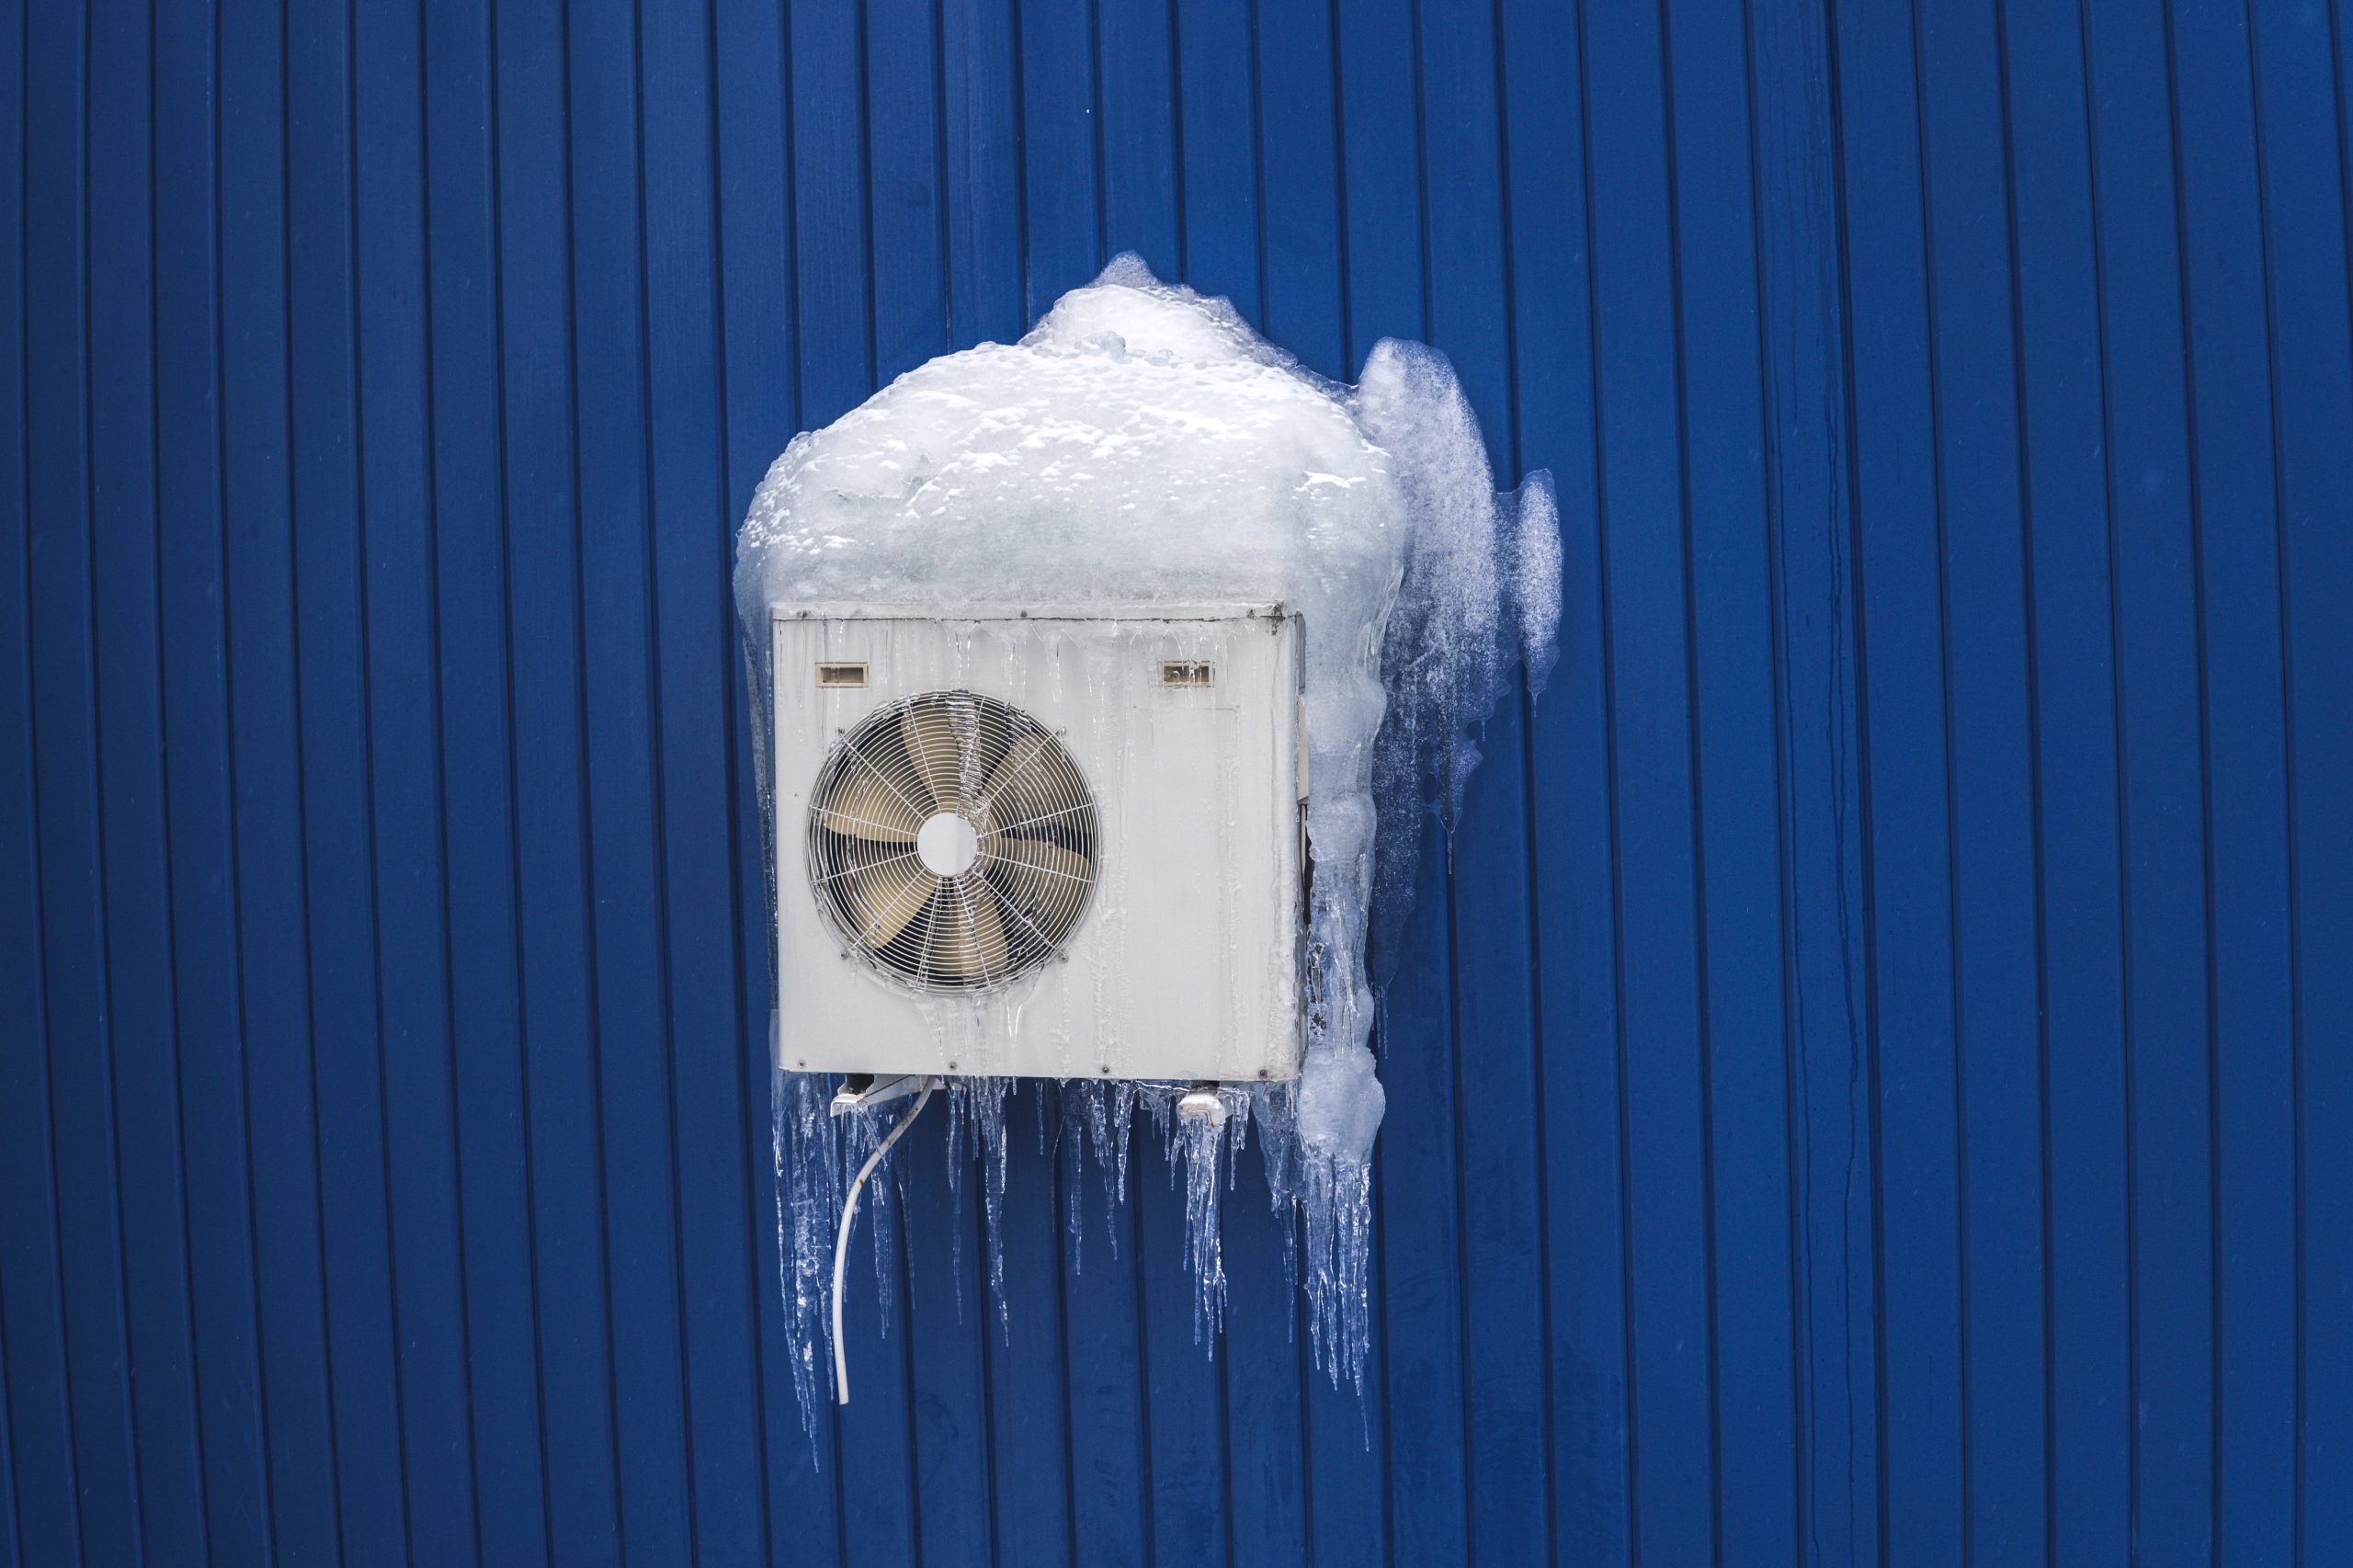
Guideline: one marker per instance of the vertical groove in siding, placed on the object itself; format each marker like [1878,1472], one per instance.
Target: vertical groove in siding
[1178,197]
[19,829]
[656,779]
[1679,371]
[15,1531]
[34,1265]
[452,1105]
[1257,165]
[102,916]
[1095,121]
[2280,608]
[2288,797]
[217,385]
[152,442]
[2123,836]
[495,137]
[369,823]
[2205,789]
[1862,1020]
[2316,911]
[1772,521]
[1019,72]
[168,878]
[2021,436]
[1511,468]
[435,391]
[104,799]
[1937,495]
[591,987]
[172,882]
[1605,643]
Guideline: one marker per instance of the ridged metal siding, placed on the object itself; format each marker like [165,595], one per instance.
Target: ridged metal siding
[1872,1088]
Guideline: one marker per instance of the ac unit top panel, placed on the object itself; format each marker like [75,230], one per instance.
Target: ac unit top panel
[1173,612]
[1182,723]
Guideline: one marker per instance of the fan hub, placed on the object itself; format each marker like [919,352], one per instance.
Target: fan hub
[948,844]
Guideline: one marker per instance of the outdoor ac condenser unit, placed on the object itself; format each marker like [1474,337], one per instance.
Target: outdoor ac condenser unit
[1092,815]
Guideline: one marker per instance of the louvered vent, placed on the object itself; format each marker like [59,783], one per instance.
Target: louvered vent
[952,841]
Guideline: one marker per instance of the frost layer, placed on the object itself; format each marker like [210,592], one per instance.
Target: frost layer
[1142,444]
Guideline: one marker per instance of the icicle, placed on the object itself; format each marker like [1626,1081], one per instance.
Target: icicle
[1193,1162]
[986,1099]
[808,1208]
[1336,1196]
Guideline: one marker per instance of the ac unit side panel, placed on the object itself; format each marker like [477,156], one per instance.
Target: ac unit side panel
[1184,963]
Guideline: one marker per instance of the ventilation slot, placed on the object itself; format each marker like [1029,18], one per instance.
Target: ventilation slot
[841,675]
[1186,672]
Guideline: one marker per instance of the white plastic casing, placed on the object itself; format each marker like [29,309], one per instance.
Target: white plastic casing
[1186,963]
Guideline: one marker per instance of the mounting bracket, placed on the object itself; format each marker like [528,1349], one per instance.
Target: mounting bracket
[861,1090]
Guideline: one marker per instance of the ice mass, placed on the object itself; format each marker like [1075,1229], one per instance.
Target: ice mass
[1142,444]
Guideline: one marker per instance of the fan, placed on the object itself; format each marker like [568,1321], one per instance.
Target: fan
[952,841]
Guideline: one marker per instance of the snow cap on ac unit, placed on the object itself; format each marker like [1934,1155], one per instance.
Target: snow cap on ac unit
[1137,449]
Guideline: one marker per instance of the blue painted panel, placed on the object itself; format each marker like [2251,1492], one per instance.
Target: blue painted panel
[1865,1078]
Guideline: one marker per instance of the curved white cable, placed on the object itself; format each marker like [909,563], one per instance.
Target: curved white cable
[841,1239]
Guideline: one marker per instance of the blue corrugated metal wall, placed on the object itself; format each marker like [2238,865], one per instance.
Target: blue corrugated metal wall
[1871,1089]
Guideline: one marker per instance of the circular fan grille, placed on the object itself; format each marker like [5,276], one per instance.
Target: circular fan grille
[952,841]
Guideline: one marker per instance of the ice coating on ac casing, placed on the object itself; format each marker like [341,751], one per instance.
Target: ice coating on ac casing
[1142,444]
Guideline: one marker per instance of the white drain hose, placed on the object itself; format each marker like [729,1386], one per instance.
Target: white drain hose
[841,1239]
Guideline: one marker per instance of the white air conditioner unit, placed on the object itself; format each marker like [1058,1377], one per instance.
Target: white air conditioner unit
[1088,820]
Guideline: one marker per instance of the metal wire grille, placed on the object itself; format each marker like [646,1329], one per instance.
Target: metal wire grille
[1032,821]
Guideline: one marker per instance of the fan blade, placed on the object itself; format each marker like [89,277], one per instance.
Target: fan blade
[930,736]
[1028,869]
[886,896]
[881,756]
[1003,789]
[863,805]
[973,944]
